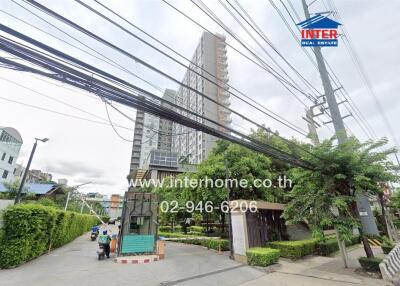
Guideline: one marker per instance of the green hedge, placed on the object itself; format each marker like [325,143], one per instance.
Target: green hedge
[193,229]
[386,248]
[31,229]
[197,229]
[370,264]
[167,228]
[177,234]
[262,256]
[295,249]
[216,244]
[326,248]
[195,241]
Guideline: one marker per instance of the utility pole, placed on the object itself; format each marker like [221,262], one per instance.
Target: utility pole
[312,125]
[368,223]
[22,183]
[231,256]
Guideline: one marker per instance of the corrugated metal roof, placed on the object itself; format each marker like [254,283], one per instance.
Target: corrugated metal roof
[39,189]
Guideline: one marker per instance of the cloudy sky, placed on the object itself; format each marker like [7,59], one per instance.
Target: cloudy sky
[83,147]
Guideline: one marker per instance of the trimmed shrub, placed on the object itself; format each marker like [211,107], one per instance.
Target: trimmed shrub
[387,245]
[386,248]
[167,228]
[262,256]
[216,244]
[370,264]
[164,228]
[196,229]
[295,249]
[32,229]
[177,234]
[195,241]
[326,248]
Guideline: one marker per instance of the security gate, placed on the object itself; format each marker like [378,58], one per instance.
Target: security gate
[138,224]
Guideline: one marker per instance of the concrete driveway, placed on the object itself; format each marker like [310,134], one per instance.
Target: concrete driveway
[77,264]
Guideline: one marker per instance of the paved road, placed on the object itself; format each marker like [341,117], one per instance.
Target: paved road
[77,264]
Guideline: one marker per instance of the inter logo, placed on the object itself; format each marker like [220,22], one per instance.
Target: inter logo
[319,31]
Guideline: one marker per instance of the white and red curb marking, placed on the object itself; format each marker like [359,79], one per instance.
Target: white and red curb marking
[136,261]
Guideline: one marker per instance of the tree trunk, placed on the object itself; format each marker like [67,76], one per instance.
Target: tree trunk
[222,222]
[367,246]
[382,203]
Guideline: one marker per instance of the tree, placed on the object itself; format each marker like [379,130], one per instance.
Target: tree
[326,196]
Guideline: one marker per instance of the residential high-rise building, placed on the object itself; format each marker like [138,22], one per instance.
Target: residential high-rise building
[10,145]
[165,127]
[210,55]
[150,133]
[153,133]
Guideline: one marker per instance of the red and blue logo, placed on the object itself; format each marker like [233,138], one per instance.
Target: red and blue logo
[319,31]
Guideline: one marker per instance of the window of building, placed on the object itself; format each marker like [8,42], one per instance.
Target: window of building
[3,156]
[10,160]
[5,174]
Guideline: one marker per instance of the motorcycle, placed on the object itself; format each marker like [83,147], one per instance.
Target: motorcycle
[93,236]
[95,233]
[101,253]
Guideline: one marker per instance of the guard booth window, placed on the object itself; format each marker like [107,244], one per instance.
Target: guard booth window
[139,224]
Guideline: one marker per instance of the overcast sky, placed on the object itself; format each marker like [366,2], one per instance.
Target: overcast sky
[83,151]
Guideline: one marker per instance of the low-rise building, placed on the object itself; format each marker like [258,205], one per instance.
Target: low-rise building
[10,146]
[113,205]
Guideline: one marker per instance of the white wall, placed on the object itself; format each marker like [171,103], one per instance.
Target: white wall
[3,205]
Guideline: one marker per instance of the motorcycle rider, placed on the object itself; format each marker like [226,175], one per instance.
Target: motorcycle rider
[104,240]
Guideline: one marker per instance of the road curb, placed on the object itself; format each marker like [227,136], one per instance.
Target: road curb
[137,259]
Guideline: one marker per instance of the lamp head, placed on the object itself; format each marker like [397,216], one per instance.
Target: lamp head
[44,140]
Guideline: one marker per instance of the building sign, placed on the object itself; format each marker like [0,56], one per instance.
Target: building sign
[319,31]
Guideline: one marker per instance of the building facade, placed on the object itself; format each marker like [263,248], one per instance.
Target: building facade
[150,133]
[191,145]
[113,205]
[10,146]
[165,126]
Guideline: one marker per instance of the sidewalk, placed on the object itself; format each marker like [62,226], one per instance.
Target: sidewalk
[318,270]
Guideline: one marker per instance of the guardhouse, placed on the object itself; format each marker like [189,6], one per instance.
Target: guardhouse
[138,224]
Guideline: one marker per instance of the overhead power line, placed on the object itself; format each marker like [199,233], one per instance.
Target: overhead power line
[81,29]
[214,82]
[275,115]
[362,72]
[72,76]
[359,118]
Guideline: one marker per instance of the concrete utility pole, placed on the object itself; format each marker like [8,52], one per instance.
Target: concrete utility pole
[232,253]
[312,126]
[22,183]
[367,220]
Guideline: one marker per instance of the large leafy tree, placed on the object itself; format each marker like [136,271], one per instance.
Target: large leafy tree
[326,196]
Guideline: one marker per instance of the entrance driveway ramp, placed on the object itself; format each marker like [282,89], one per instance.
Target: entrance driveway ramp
[76,264]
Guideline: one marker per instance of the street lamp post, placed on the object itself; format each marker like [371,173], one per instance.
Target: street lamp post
[21,185]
